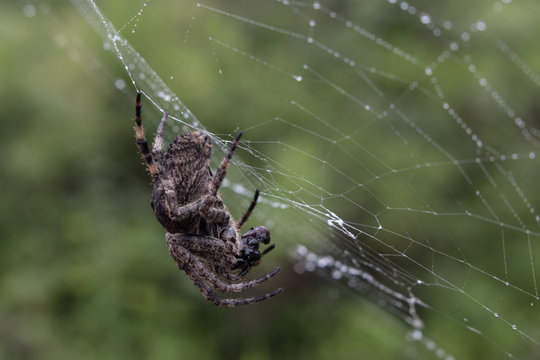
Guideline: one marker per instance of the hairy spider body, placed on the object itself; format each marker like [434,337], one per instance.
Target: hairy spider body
[186,155]
[202,236]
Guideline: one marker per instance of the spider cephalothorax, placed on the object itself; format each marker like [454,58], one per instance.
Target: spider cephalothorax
[202,236]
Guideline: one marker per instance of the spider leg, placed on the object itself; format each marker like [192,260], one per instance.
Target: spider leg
[240,276]
[236,287]
[194,209]
[207,248]
[153,160]
[141,140]
[248,211]
[197,270]
[211,296]
[220,173]
[268,249]
[158,140]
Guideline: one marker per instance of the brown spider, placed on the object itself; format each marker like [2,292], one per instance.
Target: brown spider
[201,235]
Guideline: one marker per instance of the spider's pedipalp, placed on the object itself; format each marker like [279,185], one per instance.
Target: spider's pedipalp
[220,173]
[268,249]
[141,140]
[247,265]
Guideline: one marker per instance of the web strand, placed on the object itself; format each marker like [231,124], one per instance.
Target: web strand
[399,156]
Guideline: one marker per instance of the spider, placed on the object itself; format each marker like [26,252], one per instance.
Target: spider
[202,236]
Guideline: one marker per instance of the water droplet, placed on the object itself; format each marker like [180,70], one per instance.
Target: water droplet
[336,274]
[417,335]
[425,18]
[29,10]
[519,122]
[481,26]
[120,84]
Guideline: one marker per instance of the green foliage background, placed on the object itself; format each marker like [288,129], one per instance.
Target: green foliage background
[84,271]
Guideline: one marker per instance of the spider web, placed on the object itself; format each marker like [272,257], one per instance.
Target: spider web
[395,143]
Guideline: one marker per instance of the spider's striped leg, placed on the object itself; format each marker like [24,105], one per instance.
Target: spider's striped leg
[218,253]
[235,287]
[211,296]
[196,209]
[153,159]
[202,269]
[168,184]
[215,251]
[158,140]
[141,140]
[197,270]
[220,173]
[248,211]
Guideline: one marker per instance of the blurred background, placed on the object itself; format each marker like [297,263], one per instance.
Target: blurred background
[84,270]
